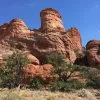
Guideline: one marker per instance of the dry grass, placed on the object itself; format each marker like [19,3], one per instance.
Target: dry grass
[26,94]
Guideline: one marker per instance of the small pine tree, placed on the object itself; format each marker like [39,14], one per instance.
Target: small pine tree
[12,74]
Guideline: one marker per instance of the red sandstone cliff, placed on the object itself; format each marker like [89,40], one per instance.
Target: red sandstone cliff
[51,37]
[93,53]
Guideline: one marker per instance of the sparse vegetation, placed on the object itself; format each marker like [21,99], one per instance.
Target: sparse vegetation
[26,94]
[67,86]
[78,54]
[65,72]
[37,83]
[56,59]
[81,57]
[93,78]
[12,74]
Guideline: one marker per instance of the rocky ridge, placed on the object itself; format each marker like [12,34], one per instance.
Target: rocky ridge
[50,37]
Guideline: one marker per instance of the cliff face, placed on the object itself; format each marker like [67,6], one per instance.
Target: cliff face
[51,37]
[75,37]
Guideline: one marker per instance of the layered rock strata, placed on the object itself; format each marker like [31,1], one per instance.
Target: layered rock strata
[16,34]
[51,21]
[93,53]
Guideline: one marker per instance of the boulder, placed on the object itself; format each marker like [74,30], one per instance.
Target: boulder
[31,71]
[32,59]
[93,53]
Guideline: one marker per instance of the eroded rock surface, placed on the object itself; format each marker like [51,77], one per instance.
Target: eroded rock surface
[93,53]
[75,37]
[51,21]
[43,71]
[51,37]
[14,28]
[32,58]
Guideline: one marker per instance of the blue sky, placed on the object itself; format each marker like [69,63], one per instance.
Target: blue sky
[82,14]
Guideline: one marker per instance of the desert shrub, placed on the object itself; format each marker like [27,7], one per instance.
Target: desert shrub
[61,85]
[65,73]
[93,78]
[65,81]
[77,52]
[60,65]
[81,57]
[36,83]
[84,93]
[92,75]
[56,59]
[94,83]
[12,73]
[61,68]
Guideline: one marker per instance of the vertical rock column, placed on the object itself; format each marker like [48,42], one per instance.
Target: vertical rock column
[75,37]
[51,21]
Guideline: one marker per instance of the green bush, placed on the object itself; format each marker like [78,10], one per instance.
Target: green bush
[66,72]
[61,68]
[56,59]
[92,75]
[12,73]
[36,83]
[94,83]
[93,78]
[61,85]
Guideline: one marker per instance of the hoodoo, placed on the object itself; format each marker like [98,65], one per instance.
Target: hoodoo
[51,21]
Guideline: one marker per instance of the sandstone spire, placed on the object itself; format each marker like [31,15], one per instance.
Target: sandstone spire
[51,21]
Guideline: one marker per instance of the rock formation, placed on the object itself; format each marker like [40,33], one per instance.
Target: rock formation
[16,27]
[93,53]
[51,37]
[75,37]
[51,21]
[43,71]
[32,59]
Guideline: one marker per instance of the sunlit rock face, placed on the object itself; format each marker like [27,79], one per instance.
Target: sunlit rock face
[51,37]
[15,28]
[75,37]
[18,26]
[93,53]
[51,21]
